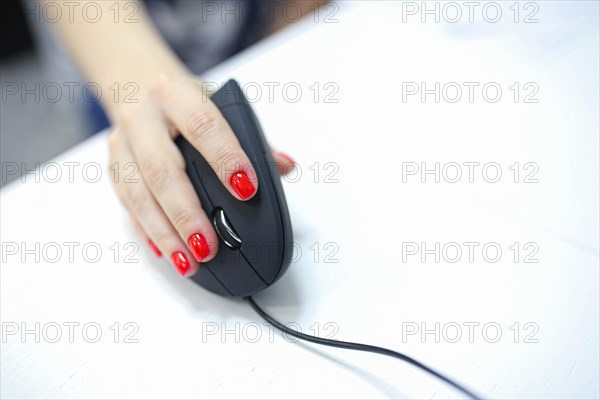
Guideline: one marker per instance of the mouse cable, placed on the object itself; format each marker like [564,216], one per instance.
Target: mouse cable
[357,346]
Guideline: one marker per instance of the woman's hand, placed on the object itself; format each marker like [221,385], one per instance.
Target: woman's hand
[162,201]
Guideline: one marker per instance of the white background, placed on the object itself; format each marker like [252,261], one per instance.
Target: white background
[371,294]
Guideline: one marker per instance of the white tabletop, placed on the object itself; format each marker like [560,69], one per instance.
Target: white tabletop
[359,210]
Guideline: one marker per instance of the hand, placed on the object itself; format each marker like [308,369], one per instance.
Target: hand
[162,201]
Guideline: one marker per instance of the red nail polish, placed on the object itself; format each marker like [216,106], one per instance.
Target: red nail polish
[155,249]
[242,185]
[181,262]
[199,247]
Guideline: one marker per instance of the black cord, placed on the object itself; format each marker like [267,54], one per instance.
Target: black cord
[359,347]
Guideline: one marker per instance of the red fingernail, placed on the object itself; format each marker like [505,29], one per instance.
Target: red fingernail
[181,262]
[242,185]
[154,248]
[199,247]
[290,159]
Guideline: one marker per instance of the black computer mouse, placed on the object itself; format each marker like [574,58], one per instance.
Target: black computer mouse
[255,236]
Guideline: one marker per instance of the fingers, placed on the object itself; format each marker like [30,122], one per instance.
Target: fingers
[285,163]
[141,233]
[154,248]
[161,199]
[145,211]
[163,170]
[201,123]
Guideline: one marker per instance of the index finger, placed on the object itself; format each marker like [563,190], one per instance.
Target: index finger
[202,124]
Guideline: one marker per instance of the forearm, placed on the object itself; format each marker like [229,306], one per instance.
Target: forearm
[110,52]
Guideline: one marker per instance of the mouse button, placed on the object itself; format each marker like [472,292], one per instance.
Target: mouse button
[231,268]
[205,278]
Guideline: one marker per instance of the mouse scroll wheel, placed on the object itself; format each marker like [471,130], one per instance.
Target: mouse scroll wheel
[225,230]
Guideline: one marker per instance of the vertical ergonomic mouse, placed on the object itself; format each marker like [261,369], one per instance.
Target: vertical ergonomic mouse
[255,236]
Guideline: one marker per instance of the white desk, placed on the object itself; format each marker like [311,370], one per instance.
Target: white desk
[371,295]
